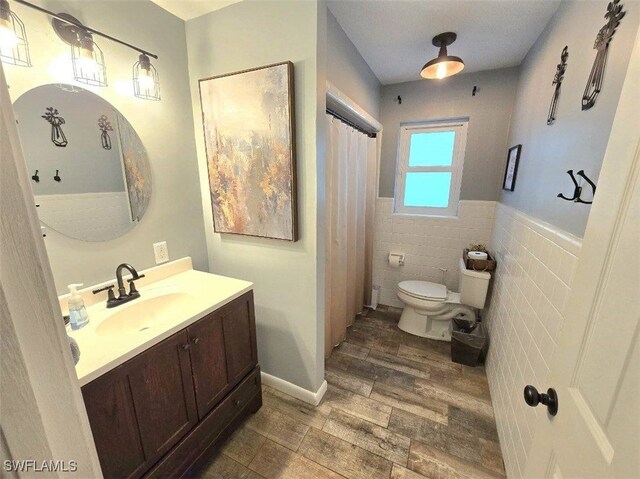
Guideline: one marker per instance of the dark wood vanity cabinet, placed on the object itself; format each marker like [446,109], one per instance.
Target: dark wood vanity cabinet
[161,411]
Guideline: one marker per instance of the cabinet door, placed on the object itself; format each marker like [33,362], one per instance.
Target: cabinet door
[112,417]
[208,362]
[162,392]
[239,324]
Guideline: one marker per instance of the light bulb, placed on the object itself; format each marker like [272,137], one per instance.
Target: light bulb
[86,62]
[8,38]
[441,72]
[145,80]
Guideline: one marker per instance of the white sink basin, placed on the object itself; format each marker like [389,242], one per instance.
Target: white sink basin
[143,314]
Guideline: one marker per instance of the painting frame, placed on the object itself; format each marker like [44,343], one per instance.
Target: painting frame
[288,214]
[511,168]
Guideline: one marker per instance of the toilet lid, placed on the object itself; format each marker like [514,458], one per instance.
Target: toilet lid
[424,289]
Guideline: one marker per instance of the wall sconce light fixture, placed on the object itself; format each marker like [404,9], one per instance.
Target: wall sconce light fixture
[86,55]
[14,47]
[87,58]
[146,83]
[444,65]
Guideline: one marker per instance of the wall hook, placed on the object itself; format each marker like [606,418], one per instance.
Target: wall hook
[57,176]
[577,192]
[399,100]
[36,177]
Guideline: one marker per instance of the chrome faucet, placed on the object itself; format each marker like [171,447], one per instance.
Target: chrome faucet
[123,296]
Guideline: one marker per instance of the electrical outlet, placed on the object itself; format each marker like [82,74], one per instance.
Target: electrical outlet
[161,252]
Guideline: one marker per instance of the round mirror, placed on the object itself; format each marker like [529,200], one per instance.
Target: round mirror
[90,173]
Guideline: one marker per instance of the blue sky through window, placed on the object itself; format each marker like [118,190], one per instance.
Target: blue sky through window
[427,189]
[431,148]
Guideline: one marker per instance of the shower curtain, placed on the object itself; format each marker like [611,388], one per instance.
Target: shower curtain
[350,169]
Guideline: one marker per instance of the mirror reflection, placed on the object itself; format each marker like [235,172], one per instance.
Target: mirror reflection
[90,172]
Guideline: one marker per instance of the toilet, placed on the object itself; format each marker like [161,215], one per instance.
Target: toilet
[429,306]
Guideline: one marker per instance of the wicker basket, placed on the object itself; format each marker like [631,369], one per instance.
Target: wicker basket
[488,264]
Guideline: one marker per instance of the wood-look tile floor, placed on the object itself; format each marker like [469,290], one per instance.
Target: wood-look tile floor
[396,407]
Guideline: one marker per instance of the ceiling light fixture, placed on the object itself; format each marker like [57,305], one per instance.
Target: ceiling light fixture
[14,48]
[444,65]
[146,84]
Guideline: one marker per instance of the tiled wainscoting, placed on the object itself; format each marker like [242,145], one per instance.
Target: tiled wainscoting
[429,243]
[536,264]
[91,216]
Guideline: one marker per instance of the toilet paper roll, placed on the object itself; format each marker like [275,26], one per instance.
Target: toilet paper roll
[395,260]
[477,255]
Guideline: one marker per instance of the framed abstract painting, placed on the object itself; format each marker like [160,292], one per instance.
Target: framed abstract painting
[249,133]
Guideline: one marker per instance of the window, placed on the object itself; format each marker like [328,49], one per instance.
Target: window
[429,173]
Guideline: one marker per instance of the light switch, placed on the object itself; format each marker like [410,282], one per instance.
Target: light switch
[161,252]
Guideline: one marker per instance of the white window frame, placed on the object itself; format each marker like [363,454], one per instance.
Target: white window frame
[457,162]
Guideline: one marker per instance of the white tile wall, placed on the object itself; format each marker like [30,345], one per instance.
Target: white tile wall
[536,264]
[429,243]
[90,216]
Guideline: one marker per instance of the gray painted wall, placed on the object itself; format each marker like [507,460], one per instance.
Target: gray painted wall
[165,128]
[247,35]
[347,70]
[578,139]
[489,114]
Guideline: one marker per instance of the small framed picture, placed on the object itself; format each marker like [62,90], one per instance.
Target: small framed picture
[513,158]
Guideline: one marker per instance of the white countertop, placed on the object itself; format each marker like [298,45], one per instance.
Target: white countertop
[103,347]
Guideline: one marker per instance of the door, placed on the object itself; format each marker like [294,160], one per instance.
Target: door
[595,370]
[208,362]
[239,325]
[162,393]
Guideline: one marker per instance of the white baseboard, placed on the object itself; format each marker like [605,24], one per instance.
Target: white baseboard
[291,389]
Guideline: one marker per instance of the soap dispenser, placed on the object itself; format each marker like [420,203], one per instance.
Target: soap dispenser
[78,316]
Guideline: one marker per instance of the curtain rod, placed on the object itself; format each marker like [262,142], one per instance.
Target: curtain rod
[84,27]
[350,123]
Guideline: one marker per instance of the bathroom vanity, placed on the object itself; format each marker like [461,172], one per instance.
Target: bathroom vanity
[169,376]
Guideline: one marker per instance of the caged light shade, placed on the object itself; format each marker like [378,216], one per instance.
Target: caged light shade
[88,61]
[14,47]
[146,83]
[444,65]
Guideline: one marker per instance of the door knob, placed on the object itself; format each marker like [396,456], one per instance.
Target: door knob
[532,397]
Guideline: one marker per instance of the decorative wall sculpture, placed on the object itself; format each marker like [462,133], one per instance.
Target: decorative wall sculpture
[557,81]
[53,117]
[594,83]
[105,127]
[248,120]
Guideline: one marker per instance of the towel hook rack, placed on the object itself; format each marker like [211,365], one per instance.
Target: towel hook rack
[577,191]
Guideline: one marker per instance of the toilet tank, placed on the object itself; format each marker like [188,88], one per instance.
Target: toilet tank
[473,286]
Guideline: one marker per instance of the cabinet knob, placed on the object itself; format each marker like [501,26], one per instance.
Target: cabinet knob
[196,340]
[184,347]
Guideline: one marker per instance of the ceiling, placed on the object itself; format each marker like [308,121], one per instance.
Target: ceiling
[394,36]
[188,9]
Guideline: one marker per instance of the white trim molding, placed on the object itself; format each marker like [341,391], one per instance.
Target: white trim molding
[291,389]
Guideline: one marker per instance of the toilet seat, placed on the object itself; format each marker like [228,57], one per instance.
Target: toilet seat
[424,290]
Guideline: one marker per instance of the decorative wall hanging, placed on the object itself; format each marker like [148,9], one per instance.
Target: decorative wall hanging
[594,83]
[511,170]
[57,135]
[105,127]
[557,81]
[248,120]
[137,170]
[577,188]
